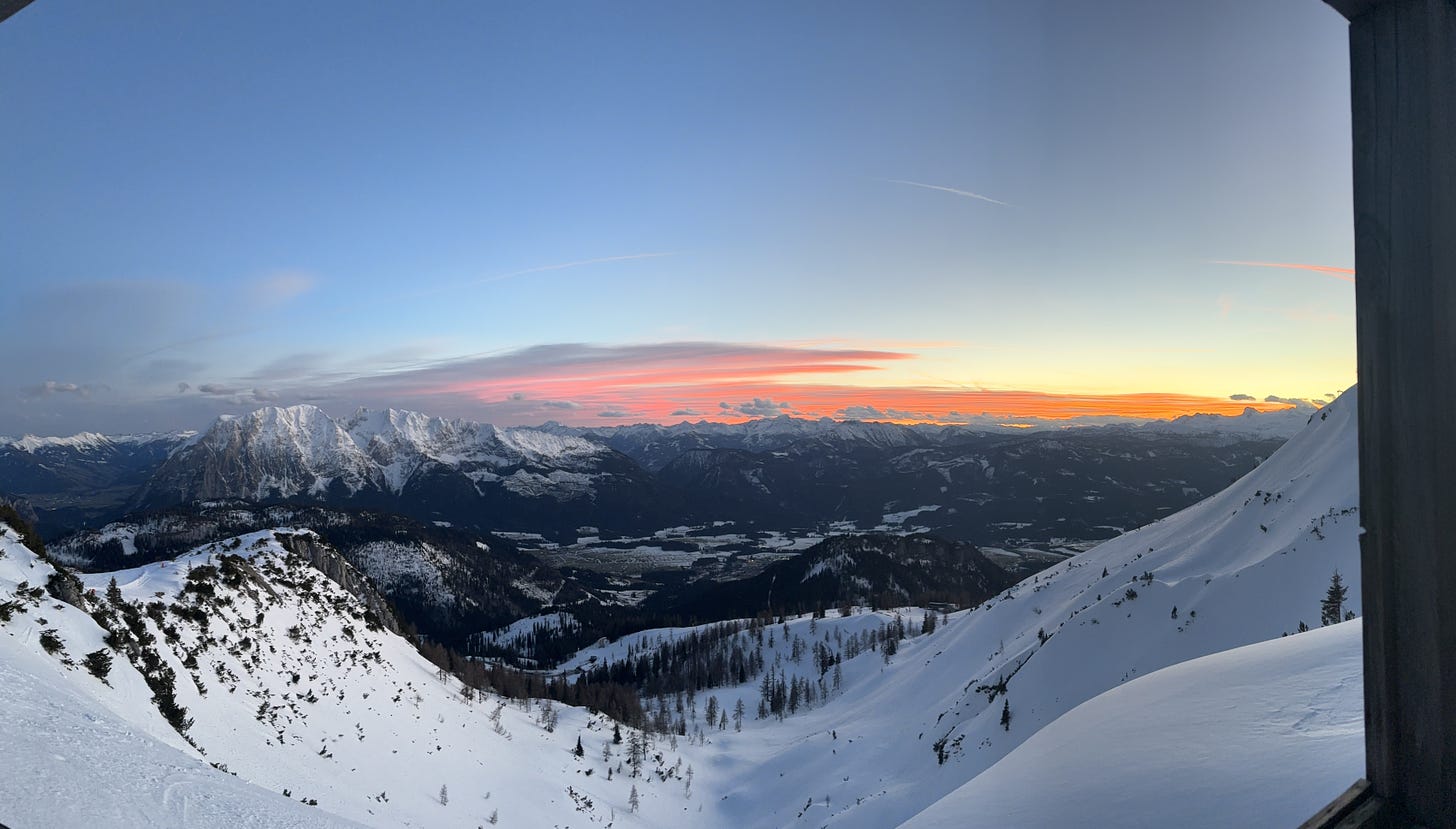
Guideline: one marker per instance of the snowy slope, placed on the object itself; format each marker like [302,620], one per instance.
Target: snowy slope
[1244,566]
[64,730]
[289,688]
[1259,736]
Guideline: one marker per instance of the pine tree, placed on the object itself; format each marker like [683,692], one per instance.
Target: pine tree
[98,663]
[616,733]
[633,801]
[1006,714]
[1332,608]
[113,593]
[444,795]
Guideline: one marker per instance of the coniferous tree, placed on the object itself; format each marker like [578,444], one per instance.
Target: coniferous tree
[579,751]
[1333,606]
[1006,714]
[98,663]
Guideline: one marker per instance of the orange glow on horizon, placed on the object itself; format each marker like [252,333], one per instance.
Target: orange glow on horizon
[673,403]
[732,383]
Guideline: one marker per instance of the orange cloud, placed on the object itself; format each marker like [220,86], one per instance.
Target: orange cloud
[1346,274]
[664,382]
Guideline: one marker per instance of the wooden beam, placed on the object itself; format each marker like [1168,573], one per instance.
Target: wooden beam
[1352,9]
[10,7]
[1403,100]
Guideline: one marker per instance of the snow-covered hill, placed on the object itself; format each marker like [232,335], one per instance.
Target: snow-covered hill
[287,683]
[1260,736]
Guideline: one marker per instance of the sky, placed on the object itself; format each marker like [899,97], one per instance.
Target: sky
[603,213]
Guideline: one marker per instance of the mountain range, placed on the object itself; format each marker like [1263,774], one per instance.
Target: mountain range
[559,482]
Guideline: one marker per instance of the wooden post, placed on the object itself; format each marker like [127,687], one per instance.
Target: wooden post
[10,7]
[1403,101]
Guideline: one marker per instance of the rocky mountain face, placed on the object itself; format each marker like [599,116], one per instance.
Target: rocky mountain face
[429,468]
[444,581]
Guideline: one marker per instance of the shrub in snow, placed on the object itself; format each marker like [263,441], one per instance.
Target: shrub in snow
[51,641]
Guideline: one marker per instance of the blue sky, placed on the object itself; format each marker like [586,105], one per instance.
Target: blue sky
[369,204]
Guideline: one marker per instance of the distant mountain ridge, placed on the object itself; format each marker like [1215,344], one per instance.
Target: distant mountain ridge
[990,488]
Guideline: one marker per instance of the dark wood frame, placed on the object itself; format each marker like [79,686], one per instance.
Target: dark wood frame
[1403,108]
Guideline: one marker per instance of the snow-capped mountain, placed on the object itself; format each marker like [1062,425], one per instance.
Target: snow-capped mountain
[782,473]
[1284,423]
[270,453]
[79,478]
[428,467]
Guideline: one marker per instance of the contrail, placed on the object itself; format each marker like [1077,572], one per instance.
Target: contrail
[1346,274]
[966,193]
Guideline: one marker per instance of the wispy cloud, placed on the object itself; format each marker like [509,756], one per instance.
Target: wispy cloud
[280,287]
[51,387]
[1346,274]
[966,193]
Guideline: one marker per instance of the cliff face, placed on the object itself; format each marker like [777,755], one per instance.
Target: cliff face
[328,561]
